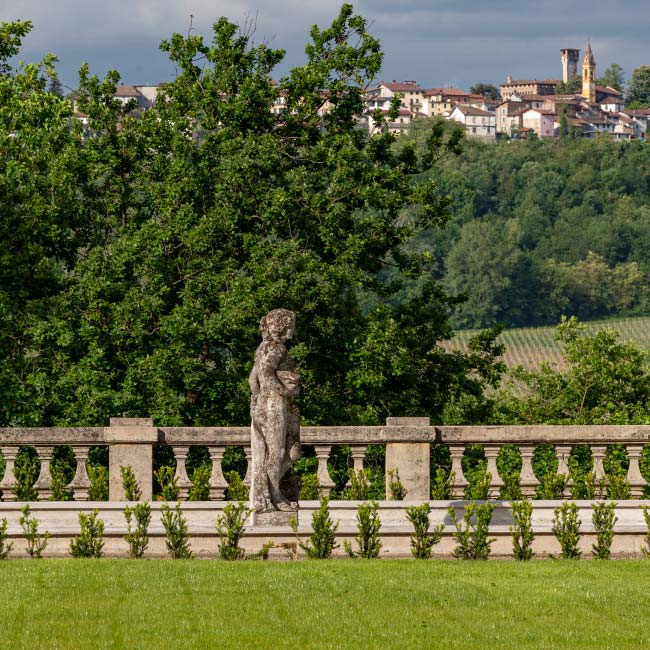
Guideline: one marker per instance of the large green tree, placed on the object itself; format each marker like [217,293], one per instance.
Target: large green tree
[488,266]
[489,91]
[573,85]
[613,76]
[209,211]
[42,224]
[603,381]
[638,91]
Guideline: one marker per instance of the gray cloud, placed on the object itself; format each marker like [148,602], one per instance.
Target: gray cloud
[436,42]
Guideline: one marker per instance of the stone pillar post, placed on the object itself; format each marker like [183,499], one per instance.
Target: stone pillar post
[81,482]
[491,453]
[182,479]
[460,482]
[44,481]
[325,482]
[528,481]
[9,482]
[131,443]
[411,460]
[634,476]
[218,483]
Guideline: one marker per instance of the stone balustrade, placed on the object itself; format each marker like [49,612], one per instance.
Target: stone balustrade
[407,441]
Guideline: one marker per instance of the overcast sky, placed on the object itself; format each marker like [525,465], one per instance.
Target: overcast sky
[435,42]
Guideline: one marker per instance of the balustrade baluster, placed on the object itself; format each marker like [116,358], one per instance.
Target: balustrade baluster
[491,453]
[44,482]
[528,480]
[460,482]
[80,484]
[182,479]
[9,482]
[358,454]
[598,454]
[218,483]
[634,476]
[563,452]
[325,481]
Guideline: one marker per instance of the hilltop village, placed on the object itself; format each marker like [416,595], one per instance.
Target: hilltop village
[525,107]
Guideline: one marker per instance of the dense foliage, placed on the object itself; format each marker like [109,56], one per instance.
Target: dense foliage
[543,229]
[137,258]
[603,381]
[638,92]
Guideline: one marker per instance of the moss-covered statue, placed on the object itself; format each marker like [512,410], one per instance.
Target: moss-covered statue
[275,427]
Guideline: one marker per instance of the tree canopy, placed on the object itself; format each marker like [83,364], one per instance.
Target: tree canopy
[489,91]
[604,381]
[139,256]
[613,76]
[638,91]
[573,85]
[542,229]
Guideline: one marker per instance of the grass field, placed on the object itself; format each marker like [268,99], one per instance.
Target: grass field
[529,346]
[382,604]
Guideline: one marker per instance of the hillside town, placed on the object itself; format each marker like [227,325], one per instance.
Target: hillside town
[525,107]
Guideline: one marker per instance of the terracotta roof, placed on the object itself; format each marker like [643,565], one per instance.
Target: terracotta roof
[527,82]
[608,90]
[543,111]
[472,110]
[402,111]
[514,108]
[126,91]
[537,98]
[563,99]
[402,86]
[447,92]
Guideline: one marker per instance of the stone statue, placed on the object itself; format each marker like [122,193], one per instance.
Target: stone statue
[275,419]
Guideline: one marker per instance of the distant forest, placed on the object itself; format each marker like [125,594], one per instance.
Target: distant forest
[539,229]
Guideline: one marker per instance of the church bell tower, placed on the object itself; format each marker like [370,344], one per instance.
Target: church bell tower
[589,76]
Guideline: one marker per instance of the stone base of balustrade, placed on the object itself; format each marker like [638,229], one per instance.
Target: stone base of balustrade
[61,520]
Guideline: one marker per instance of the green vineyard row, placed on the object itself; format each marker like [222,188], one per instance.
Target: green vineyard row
[530,346]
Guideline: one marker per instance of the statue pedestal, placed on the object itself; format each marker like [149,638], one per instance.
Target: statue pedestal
[273,518]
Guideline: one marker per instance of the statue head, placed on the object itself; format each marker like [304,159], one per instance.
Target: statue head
[278,325]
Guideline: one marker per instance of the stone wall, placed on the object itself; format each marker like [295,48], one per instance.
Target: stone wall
[60,520]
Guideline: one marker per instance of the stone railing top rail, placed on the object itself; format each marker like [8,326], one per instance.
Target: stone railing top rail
[52,435]
[142,430]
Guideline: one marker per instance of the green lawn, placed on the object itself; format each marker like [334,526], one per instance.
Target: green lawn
[336,604]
